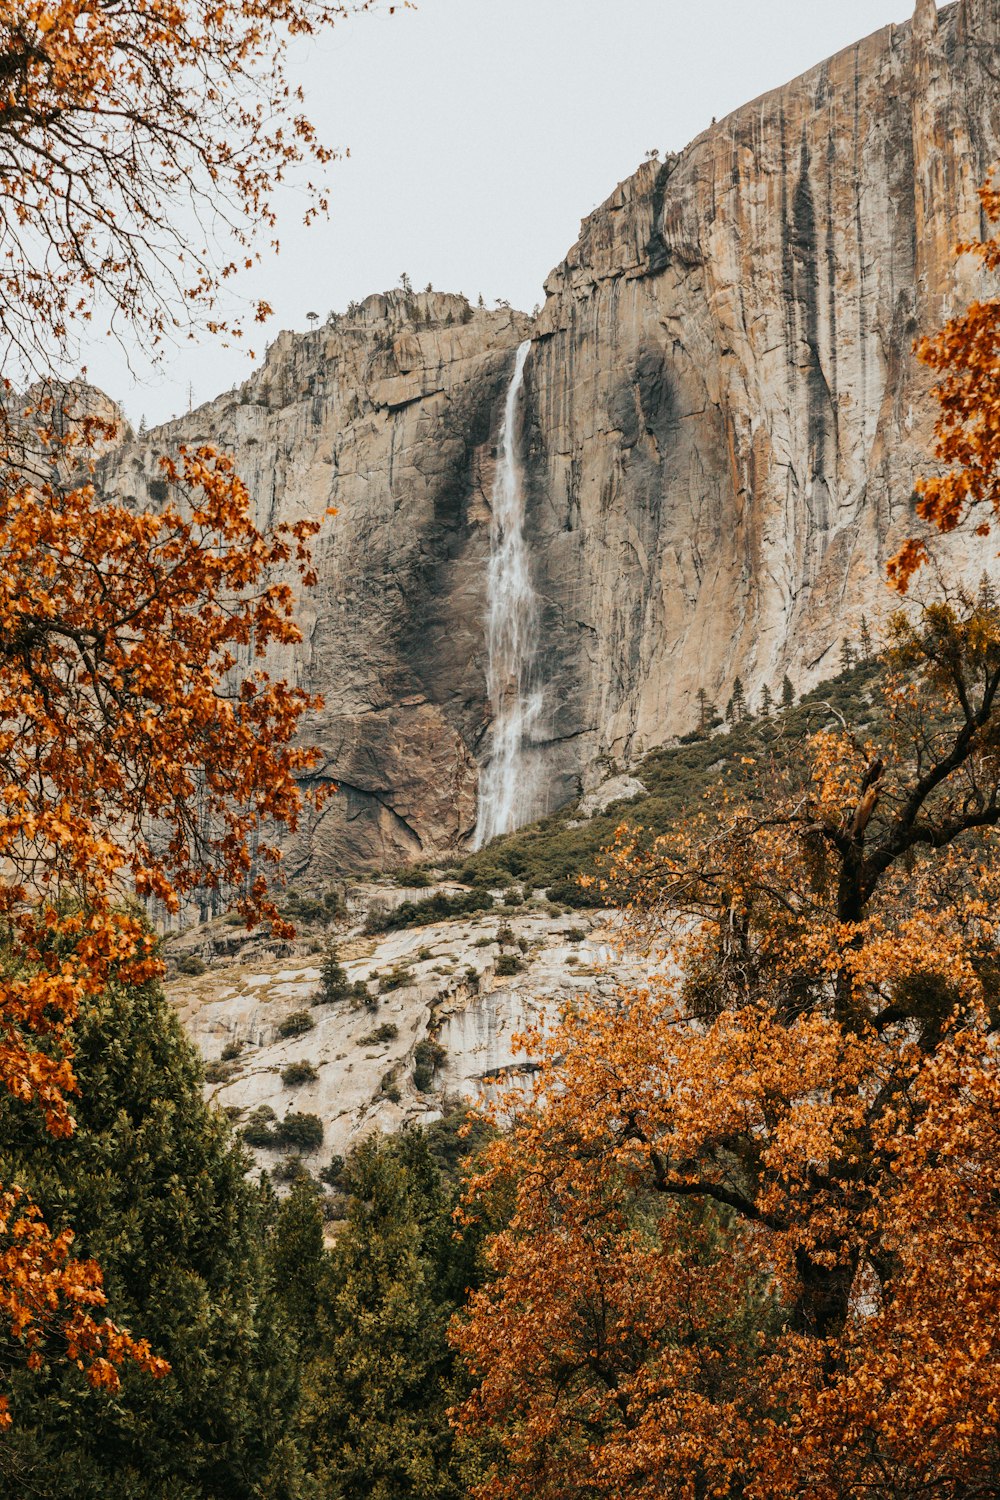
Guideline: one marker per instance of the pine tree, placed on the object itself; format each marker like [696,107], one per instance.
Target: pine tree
[867,650]
[848,655]
[766,702]
[706,712]
[373,1418]
[739,702]
[787,692]
[154,1186]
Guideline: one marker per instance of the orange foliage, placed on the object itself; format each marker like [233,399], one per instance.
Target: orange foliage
[133,136]
[134,758]
[966,353]
[143,742]
[756,1244]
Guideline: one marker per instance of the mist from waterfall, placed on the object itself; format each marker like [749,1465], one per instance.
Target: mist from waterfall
[508,785]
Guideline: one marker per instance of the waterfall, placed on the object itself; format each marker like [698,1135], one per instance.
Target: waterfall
[508,785]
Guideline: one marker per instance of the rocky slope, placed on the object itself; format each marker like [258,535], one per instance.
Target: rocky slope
[721,426]
[445,983]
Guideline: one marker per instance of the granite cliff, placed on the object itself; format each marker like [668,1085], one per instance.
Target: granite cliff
[720,426]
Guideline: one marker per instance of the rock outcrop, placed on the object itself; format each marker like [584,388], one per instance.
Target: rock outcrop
[386,415]
[722,424]
[725,414]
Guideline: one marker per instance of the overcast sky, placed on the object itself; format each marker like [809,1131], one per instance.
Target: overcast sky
[482,131]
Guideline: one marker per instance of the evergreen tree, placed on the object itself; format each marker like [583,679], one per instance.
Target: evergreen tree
[706,712]
[867,650]
[848,655]
[787,692]
[739,702]
[297,1259]
[373,1421]
[155,1188]
[766,702]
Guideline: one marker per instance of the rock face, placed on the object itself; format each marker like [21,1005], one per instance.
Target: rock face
[725,415]
[387,415]
[721,428]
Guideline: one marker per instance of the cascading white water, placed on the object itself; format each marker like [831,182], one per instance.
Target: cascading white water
[508,785]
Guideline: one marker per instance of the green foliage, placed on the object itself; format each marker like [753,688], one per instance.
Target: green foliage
[258,1130]
[297,1073]
[395,979]
[387,1032]
[323,908]
[440,907]
[373,1421]
[508,964]
[333,981]
[190,965]
[294,1024]
[428,1055]
[154,1188]
[301,1131]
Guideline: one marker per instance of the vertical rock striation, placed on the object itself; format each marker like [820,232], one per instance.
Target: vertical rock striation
[722,421]
[387,414]
[727,417]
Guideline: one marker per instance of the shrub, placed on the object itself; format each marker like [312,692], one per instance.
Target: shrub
[332,1174]
[333,981]
[389,1087]
[395,979]
[387,1032]
[574,935]
[217,1072]
[259,1128]
[298,1072]
[413,877]
[428,1056]
[295,1023]
[509,963]
[568,893]
[290,1170]
[513,896]
[472,977]
[191,965]
[231,1051]
[324,908]
[505,934]
[437,908]
[303,1132]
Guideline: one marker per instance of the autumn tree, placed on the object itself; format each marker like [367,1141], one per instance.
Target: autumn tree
[139,149]
[812,1064]
[835,1023]
[964,354]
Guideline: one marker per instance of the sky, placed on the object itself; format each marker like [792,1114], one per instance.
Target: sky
[480,134]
